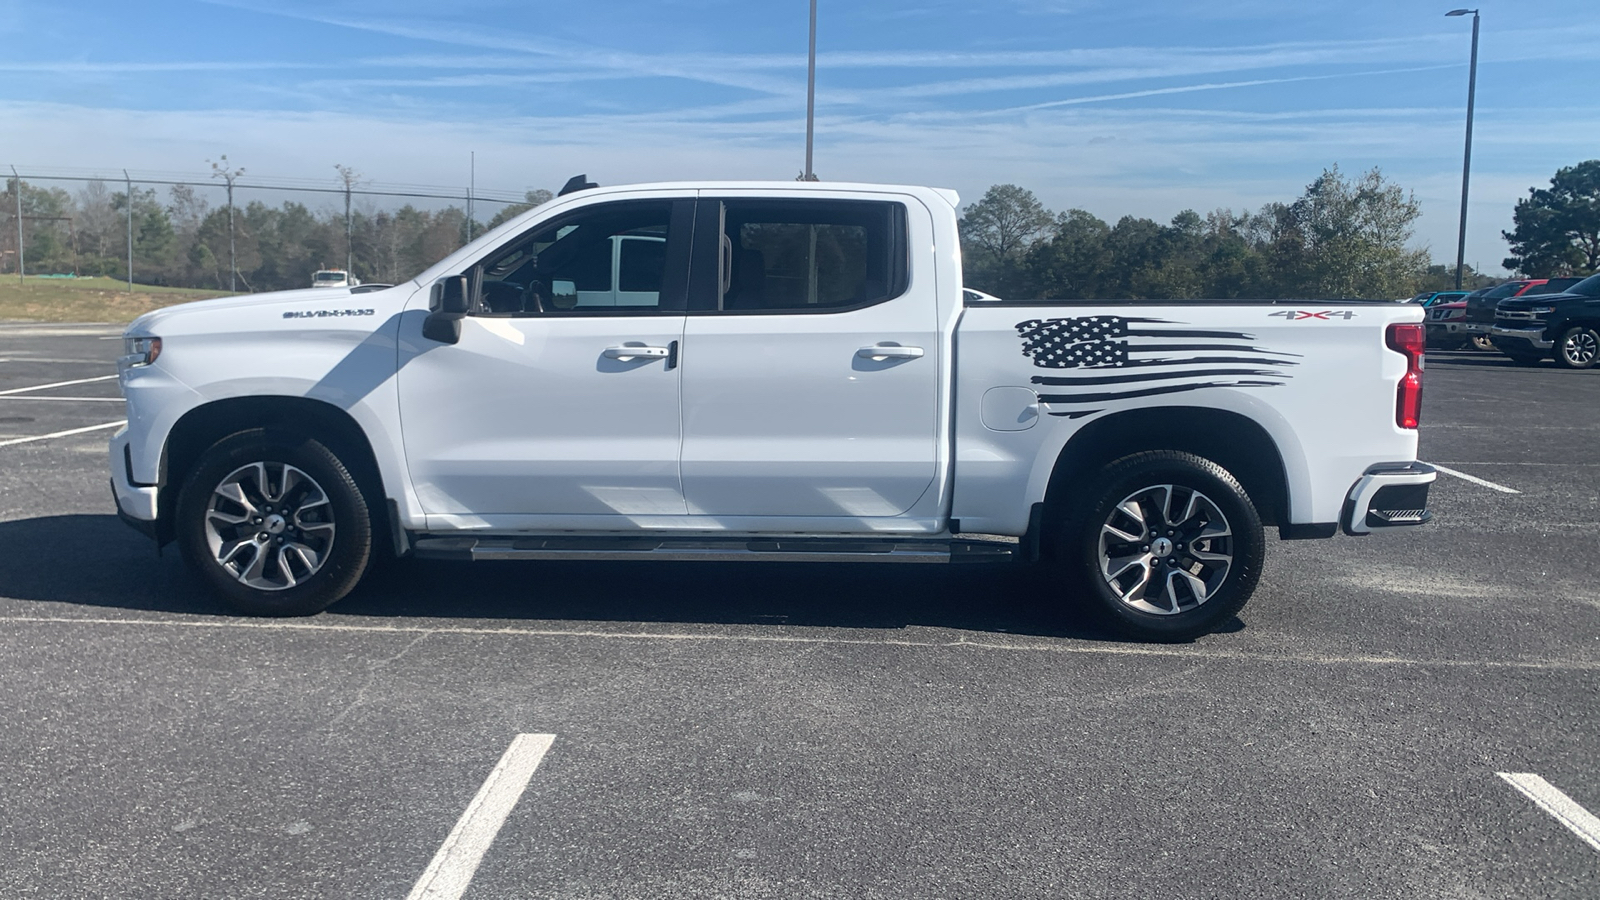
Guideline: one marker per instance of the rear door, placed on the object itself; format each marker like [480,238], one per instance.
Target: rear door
[559,405]
[810,364]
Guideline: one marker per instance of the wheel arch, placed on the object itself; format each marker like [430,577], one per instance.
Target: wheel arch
[1232,440]
[202,427]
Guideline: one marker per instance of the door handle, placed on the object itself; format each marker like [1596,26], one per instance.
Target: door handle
[889,351]
[627,353]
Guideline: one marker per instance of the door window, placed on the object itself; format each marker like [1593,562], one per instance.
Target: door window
[802,255]
[627,257]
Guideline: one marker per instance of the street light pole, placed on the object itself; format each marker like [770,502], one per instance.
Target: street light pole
[1466,163]
[811,91]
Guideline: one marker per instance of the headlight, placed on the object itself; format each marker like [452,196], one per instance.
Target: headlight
[140,351]
[1542,310]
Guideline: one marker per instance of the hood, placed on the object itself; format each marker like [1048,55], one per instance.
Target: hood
[1528,301]
[312,299]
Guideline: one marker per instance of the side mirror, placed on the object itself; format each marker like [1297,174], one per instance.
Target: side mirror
[450,296]
[448,304]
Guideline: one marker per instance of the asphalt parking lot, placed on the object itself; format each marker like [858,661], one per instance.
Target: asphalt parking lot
[722,730]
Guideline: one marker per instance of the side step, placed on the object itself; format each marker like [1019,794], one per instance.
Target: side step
[715,549]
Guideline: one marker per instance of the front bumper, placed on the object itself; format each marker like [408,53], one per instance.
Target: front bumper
[1389,496]
[1533,335]
[136,503]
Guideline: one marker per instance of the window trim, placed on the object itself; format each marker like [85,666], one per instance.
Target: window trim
[705,270]
[674,275]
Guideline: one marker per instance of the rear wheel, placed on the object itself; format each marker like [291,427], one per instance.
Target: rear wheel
[274,523]
[1167,545]
[1578,347]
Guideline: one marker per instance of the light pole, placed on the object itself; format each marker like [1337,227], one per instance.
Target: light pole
[811,91]
[1466,164]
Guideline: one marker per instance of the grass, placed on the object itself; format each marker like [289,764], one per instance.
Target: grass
[87,299]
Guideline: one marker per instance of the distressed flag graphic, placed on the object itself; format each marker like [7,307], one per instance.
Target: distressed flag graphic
[1147,357]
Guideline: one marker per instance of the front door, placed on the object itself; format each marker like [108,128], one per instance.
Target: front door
[810,364]
[558,407]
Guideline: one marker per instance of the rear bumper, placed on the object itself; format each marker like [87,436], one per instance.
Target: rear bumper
[1389,496]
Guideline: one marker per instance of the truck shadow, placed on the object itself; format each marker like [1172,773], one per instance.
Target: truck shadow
[96,561]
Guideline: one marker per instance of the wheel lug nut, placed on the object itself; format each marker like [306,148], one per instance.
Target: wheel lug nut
[262,536]
[280,540]
[258,520]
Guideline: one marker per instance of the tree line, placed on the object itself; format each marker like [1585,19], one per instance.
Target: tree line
[181,240]
[1342,237]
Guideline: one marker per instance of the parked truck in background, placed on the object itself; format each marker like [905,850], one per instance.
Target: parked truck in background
[333,278]
[1564,326]
[763,371]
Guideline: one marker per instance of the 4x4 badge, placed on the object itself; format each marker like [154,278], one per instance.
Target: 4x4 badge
[1295,315]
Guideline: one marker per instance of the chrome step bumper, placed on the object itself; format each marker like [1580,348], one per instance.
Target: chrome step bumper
[1391,495]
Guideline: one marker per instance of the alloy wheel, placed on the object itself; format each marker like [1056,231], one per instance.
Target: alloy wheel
[269,525]
[1165,549]
[1580,348]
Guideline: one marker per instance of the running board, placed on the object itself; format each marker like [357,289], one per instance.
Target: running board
[716,550]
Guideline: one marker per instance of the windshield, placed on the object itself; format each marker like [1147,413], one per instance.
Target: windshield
[1505,290]
[330,276]
[1589,287]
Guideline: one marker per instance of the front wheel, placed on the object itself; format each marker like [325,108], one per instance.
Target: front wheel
[1578,347]
[274,523]
[1167,544]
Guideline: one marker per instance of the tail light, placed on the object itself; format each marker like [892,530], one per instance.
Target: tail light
[1410,341]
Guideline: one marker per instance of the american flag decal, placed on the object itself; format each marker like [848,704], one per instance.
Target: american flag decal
[1147,357]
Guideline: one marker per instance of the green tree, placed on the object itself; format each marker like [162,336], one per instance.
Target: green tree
[1556,230]
[1345,238]
[996,233]
[529,201]
[46,228]
[1073,261]
[155,244]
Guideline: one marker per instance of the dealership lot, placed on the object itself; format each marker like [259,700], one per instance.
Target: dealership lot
[807,731]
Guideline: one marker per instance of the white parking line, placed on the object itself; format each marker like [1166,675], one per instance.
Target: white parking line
[70,431]
[73,399]
[56,359]
[457,861]
[1476,480]
[1552,800]
[40,387]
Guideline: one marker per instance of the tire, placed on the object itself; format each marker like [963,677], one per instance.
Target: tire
[1120,558]
[1578,347]
[274,523]
[1481,342]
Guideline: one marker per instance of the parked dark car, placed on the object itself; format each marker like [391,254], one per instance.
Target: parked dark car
[1565,326]
[1481,304]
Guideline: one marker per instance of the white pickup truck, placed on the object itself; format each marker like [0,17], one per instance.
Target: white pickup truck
[763,371]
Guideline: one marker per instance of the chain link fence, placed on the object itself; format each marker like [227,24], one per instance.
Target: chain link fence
[232,230]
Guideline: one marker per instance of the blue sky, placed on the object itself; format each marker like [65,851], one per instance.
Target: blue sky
[1116,107]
